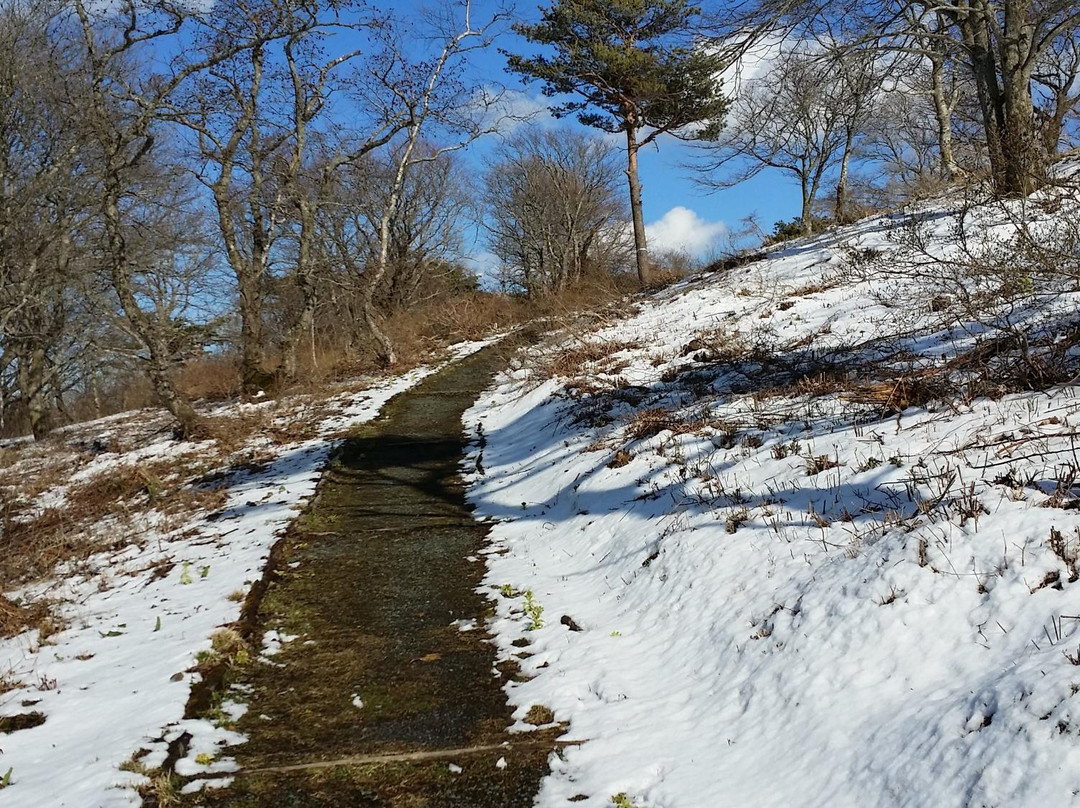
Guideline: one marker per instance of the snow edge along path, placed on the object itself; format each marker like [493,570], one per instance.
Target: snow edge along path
[744,631]
[115,680]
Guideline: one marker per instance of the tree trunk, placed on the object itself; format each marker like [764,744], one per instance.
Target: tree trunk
[35,394]
[384,347]
[1025,167]
[253,376]
[841,212]
[943,114]
[984,68]
[95,391]
[305,281]
[807,216]
[641,247]
[158,358]
[1003,83]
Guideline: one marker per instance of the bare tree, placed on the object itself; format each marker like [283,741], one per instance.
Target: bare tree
[123,117]
[1001,44]
[553,211]
[237,146]
[793,119]
[43,206]
[442,106]
[426,233]
[857,76]
[902,137]
[1057,80]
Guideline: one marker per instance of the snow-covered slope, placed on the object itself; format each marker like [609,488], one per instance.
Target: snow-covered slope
[112,683]
[787,550]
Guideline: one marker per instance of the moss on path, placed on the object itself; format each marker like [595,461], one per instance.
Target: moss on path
[372,580]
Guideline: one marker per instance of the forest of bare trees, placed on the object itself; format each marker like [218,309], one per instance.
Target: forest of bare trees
[253,185]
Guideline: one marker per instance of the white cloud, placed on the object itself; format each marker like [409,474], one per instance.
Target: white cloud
[487,267]
[756,62]
[512,108]
[682,229]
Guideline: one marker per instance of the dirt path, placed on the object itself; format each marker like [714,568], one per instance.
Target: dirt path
[372,580]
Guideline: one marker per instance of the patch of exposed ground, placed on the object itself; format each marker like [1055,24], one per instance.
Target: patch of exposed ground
[375,584]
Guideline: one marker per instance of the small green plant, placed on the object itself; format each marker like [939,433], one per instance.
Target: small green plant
[620,800]
[616,634]
[157,625]
[204,758]
[6,780]
[534,611]
[204,571]
[185,574]
[133,764]
[164,789]
[506,591]
[154,487]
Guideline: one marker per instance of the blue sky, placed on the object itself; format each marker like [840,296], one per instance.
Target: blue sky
[675,206]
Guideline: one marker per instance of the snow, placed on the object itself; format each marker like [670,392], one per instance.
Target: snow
[782,596]
[114,682]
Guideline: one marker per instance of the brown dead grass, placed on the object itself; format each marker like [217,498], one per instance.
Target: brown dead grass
[651,422]
[210,378]
[815,288]
[574,361]
[36,543]
[33,547]
[16,618]
[230,432]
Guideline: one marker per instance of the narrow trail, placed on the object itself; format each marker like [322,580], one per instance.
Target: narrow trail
[371,582]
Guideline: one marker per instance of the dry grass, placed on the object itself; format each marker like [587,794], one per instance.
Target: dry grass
[210,378]
[35,547]
[575,361]
[39,540]
[814,288]
[651,422]
[230,432]
[16,618]
[819,463]
[163,791]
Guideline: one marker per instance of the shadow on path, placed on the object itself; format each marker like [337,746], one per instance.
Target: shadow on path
[372,580]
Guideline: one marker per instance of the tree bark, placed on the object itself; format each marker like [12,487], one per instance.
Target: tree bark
[841,211]
[1025,168]
[943,114]
[35,393]
[641,247]
[807,218]
[158,357]
[1003,85]
[305,281]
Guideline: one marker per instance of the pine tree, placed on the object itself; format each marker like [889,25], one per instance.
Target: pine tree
[635,66]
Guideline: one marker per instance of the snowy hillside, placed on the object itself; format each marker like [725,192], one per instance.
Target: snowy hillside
[805,531]
[164,540]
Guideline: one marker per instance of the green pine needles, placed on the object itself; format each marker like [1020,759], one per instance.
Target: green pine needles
[629,66]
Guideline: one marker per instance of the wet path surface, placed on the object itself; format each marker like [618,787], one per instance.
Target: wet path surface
[371,583]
